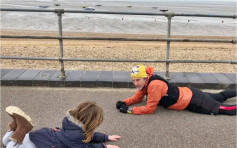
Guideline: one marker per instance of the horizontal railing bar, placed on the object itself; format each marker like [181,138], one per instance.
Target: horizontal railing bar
[114,12]
[206,15]
[119,39]
[118,60]
[27,10]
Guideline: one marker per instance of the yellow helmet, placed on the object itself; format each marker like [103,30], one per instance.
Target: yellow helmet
[139,71]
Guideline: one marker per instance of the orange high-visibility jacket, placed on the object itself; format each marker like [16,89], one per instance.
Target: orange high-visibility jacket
[156,90]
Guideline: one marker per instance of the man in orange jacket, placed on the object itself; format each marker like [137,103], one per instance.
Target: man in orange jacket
[161,92]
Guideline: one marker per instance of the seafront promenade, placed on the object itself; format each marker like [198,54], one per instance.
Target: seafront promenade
[163,129]
[47,97]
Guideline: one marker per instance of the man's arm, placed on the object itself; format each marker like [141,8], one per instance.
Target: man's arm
[155,90]
[137,98]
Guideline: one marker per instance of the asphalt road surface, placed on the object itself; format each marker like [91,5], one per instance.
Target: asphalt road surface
[163,129]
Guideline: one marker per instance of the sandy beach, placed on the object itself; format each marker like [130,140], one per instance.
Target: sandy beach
[116,50]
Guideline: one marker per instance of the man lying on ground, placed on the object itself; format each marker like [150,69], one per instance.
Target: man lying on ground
[161,92]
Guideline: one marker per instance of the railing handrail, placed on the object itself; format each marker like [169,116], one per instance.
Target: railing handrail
[120,39]
[116,12]
[118,60]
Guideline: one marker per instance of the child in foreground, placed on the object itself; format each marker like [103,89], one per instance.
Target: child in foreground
[77,130]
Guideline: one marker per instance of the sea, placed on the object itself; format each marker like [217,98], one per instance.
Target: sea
[123,24]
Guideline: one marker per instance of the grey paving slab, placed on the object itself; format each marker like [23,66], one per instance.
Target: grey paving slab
[162,74]
[231,77]
[14,74]
[74,79]
[105,79]
[42,79]
[221,78]
[194,79]
[89,79]
[180,79]
[209,81]
[10,78]
[56,80]
[26,78]
[121,79]
[225,82]
[5,71]
[29,74]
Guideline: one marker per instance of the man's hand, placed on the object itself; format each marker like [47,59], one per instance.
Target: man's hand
[123,108]
[119,104]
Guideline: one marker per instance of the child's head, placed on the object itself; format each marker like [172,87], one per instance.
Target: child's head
[90,115]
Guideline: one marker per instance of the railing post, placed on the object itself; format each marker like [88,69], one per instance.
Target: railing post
[169,16]
[60,12]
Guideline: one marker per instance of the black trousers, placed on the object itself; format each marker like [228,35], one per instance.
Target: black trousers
[209,103]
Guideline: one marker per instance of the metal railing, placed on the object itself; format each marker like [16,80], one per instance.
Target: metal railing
[168,39]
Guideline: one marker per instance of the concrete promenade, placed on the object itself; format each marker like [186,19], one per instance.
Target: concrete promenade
[110,79]
[50,97]
[163,129]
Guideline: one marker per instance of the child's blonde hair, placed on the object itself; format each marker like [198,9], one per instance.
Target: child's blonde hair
[91,115]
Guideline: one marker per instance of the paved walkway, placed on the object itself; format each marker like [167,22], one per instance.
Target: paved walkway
[114,79]
[163,129]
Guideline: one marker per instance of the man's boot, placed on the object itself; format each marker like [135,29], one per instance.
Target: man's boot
[23,123]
